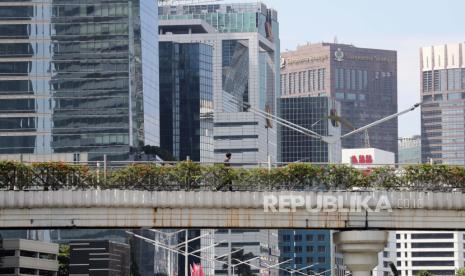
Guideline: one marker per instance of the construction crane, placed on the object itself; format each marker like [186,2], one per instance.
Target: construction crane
[313,134]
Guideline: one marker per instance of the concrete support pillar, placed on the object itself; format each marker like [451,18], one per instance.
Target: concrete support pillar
[360,249]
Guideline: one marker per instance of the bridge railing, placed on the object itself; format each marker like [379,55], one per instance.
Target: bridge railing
[194,176]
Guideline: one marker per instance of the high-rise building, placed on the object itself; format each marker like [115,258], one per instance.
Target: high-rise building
[312,113]
[245,41]
[27,257]
[146,259]
[99,257]
[363,80]
[440,253]
[310,251]
[186,100]
[410,150]
[78,77]
[442,71]
[262,245]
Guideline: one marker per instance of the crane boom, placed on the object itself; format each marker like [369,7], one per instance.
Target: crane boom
[375,123]
[310,133]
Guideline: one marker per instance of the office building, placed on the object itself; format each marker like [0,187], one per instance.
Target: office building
[309,250]
[363,80]
[410,150]
[311,113]
[146,259]
[99,257]
[442,71]
[440,253]
[78,77]
[27,257]
[245,42]
[186,100]
[253,243]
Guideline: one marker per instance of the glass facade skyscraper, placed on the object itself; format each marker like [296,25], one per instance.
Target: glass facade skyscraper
[245,41]
[443,110]
[78,76]
[186,100]
[309,250]
[311,113]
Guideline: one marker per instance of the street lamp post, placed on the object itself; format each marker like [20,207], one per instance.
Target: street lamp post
[169,235]
[179,252]
[293,271]
[239,262]
[268,267]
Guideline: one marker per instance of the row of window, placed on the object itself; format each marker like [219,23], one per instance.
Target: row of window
[443,80]
[350,96]
[310,260]
[428,236]
[351,79]
[449,96]
[304,81]
[427,263]
[298,237]
[309,249]
[428,245]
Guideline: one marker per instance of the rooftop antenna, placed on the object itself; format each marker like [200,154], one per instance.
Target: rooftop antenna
[335,39]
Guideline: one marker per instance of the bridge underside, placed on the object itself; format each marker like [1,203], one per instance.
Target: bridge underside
[133,209]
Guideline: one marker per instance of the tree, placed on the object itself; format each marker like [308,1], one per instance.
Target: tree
[63,260]
[460,272]
[424,273]
[236,257]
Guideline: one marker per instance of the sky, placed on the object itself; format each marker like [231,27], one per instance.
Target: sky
[401,25]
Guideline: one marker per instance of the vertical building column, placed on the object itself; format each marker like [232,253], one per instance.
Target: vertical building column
[360,249]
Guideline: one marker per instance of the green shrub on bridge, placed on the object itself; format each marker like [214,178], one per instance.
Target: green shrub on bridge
[193,176]
[138,177]
[14,175]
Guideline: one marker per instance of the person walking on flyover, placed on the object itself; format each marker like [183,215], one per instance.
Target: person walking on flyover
[227,165]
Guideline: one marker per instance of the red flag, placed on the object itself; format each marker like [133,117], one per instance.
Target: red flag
[196,270]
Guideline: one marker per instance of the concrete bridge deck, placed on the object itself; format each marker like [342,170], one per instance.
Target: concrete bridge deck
[208,209]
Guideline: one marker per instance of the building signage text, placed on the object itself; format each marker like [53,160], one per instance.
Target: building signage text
[361,159]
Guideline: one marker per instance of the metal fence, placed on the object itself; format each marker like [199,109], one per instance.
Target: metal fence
[187,175]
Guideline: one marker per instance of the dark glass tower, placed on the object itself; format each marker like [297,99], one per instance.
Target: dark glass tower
[78,77]
[363,80]
[186,100]
[311,113]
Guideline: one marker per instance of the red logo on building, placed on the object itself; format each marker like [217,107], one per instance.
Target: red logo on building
[361,159]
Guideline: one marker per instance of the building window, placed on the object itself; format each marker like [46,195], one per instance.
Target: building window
[365,80]
[340,96]
[289,90]
[309,237]
[298,249]
[286,238]
[339,78]
[298,238]
[436,80]
[427,81]
[321,79]
[321,248]
[321,260]
[321,237]
[309,248]
[298,260]
[347,77]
